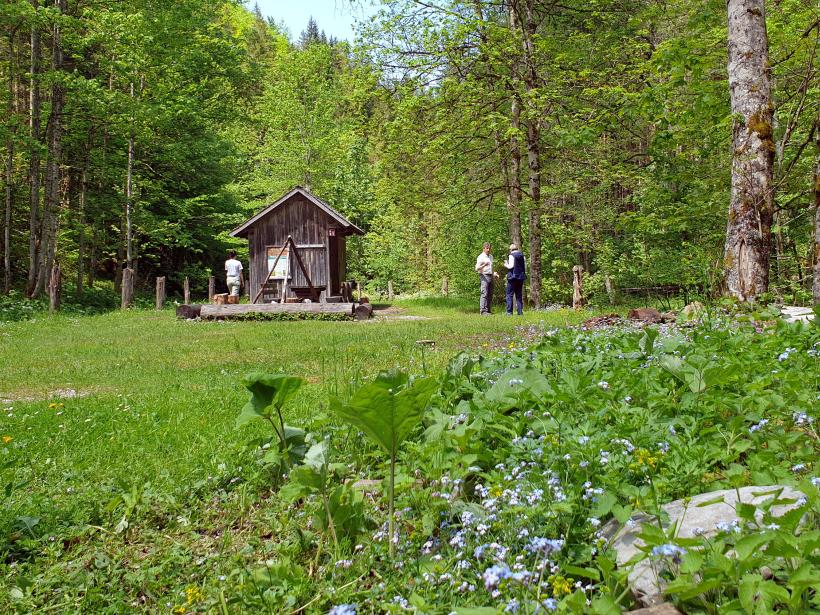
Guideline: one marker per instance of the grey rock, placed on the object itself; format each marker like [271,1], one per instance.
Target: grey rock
[794,313]
[696,516]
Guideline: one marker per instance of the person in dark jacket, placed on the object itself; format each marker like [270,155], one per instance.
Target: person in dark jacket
[516,274]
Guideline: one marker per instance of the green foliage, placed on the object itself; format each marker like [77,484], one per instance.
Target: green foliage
[269,393]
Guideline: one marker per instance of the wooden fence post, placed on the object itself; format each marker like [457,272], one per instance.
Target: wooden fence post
[211,288]
[186,291]
[127,288]
[445,286]
[55,288]
[160,292]
[577,287]
[359,291]
[390,290]
[610,288]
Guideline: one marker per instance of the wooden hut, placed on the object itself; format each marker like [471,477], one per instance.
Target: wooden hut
[319,234]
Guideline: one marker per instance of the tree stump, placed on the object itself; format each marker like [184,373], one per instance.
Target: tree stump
[220,299]
[610,288]
[189,311]
[186,291]
[160,295]
[445,286]
[390,290]
[577,287]
[363,311]
[55,288]
[211,288]
[127,295]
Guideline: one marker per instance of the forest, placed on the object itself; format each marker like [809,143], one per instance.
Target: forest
[137,133]
[349,457]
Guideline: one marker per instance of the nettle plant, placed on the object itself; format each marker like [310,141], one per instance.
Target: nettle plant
[387,410]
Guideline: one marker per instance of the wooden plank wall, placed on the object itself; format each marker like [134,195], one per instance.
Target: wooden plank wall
[308,225]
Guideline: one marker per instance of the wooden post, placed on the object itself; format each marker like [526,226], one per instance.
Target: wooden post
[127,288]
[445,286]
[186,291]
[359,291]
[160,292]
[55,288]
[390,290]
[577,287]
[211,288]
[610,288]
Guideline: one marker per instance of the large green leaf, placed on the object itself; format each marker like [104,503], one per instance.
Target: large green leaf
[267,391]
[385,412]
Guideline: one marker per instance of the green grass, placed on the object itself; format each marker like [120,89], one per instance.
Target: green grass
[157,398]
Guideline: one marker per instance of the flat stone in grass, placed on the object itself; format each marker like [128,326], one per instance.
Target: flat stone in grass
[699,515]
[659,609]
[793,313]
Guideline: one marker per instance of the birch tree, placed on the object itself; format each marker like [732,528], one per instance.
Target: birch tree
[748,232]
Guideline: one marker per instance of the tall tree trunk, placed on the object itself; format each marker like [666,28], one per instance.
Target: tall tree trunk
[816,285]
[81,228]
[748,232]
[9,170]
[129,187]
[514,198]
[532,121]
[34,161]
[53,193]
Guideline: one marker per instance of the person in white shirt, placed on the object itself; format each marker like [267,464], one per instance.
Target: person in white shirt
[233,274]
[484,268]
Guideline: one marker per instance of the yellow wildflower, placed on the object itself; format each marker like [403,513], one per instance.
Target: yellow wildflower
[179,610]
[560,585]
[7,439]
[193,594]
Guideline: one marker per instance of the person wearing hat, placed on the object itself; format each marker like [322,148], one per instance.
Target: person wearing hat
[516,274]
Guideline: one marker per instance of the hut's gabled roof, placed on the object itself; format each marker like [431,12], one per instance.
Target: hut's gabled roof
[242,230]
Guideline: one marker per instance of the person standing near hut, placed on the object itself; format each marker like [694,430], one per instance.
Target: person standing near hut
[233,274]
[516,274]
[484,268]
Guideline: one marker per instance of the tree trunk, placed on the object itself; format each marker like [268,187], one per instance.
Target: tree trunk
[514,191]
[51,204]
[9,173]
[81,230]
[748,232]
[532,119]
[127,296]
[55,288]
[816,285]
[577,287]
[34,161]
[129,175]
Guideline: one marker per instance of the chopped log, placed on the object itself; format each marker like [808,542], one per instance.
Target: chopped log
[127,296]
[363,311]
[226,311]
[390,290]
[220,299]
[577,287]
[55,288]
[160,294]
[364,299]
[211,288]
[189,311]
[186,291]
[233,299]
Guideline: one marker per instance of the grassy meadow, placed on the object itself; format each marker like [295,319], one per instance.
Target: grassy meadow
[142,403]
